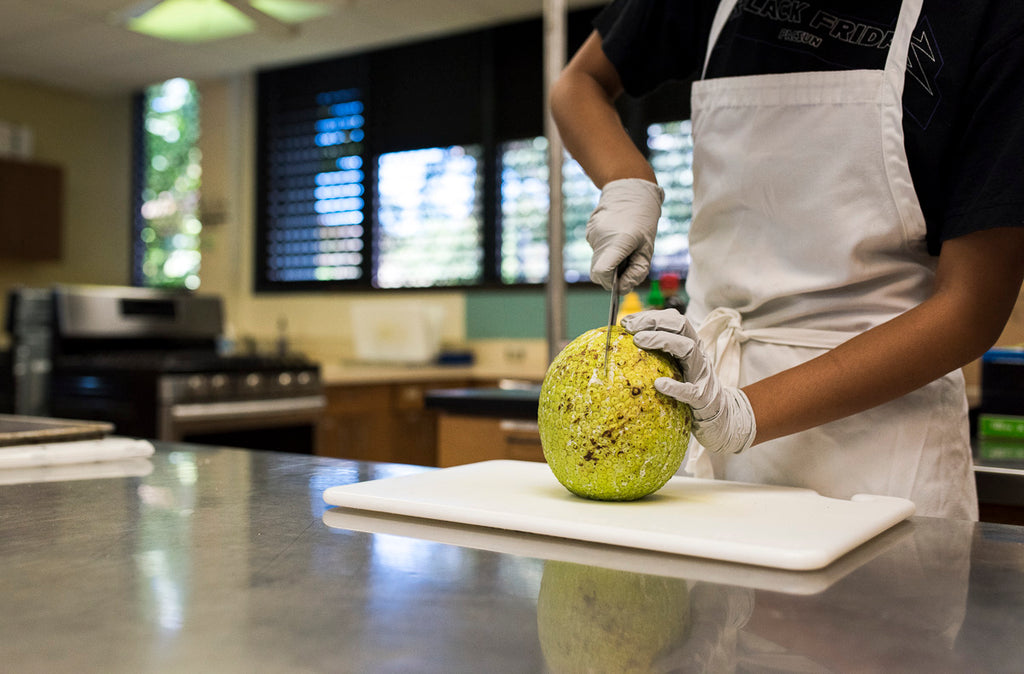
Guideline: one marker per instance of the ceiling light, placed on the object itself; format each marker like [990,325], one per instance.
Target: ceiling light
[206,20]
[291,11]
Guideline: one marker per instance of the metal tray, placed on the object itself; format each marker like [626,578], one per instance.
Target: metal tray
[25,430]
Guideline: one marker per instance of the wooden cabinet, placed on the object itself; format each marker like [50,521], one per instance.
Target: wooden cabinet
[467,439]
[31,206]
[381,422]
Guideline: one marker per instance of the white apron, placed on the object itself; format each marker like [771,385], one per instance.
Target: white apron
[806,231]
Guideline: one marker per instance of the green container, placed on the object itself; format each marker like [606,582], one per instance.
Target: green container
[1001,426]
[1000,449]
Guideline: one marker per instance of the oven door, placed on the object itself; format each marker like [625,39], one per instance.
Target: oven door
[287,424]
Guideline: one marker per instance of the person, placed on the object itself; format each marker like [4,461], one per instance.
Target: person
[857,232]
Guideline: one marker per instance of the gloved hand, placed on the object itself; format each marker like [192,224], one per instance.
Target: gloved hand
[723,418]
[623,226]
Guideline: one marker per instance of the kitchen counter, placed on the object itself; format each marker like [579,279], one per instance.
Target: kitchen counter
[345,374]
[504,403]
[999,472]
[220,560]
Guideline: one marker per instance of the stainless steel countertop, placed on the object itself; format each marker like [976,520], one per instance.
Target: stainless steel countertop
[218,560]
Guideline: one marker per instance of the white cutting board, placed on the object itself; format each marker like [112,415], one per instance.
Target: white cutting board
[779,527]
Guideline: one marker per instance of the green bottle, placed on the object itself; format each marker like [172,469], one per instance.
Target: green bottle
[655,300]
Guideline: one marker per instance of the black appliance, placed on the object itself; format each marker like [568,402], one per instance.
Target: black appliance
[6,383]
[147,361]
[26,370]
[1002,381]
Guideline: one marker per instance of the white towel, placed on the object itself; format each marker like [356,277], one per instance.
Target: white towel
[111,448]
[97,470]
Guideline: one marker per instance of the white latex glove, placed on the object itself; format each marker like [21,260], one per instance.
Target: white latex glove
[623,227]
[723,418]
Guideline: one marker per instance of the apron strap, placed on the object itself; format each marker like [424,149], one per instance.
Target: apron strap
[910,10]
[723,334]
[725,8]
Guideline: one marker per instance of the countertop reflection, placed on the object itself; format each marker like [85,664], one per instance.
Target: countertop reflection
[214,559]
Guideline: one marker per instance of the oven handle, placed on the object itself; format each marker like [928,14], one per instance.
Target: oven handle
[247,408]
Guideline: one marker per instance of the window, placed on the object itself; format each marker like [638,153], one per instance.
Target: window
[524,213]
[671,154]
[429,218]
[365,178]
[168,174]
[376,175]
[580,199]
[313,192]
[524,207]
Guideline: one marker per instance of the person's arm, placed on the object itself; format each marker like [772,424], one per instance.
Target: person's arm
[977,282]
[622,228]
[583,106]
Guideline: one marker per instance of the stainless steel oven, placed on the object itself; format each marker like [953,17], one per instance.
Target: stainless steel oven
[148,361]
[255,405]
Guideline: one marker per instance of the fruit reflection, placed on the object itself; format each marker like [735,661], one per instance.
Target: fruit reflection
[600,620]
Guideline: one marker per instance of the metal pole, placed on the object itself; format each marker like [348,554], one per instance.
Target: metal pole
[554,61]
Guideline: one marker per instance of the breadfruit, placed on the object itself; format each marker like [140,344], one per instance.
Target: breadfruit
[611,437]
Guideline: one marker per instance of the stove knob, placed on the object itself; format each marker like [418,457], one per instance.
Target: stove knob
[219,385]
[284,379]
[304,379]
[253,382]
[196,385]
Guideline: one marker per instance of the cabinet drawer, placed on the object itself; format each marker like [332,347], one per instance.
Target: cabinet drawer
[466,439]
[409,396]
[348,399]
[521,440]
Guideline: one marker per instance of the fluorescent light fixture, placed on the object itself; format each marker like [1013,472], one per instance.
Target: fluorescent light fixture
[192,21]
[291,11]
[206,20]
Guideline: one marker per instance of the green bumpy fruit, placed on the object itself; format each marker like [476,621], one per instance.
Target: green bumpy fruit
[611,437]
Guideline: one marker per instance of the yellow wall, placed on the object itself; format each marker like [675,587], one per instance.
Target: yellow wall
[1014,332]
[1013,335]
[90,137]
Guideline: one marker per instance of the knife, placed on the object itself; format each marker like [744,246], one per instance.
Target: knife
[613,312]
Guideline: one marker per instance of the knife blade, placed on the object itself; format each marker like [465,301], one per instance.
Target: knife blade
[613,312]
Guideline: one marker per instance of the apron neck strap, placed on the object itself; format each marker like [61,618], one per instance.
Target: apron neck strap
[899,48]
[725,9]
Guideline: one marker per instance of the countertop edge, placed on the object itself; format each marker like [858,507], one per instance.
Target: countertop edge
[360,373]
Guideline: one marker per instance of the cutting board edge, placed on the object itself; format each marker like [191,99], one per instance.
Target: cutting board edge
[790,559]
[359,496]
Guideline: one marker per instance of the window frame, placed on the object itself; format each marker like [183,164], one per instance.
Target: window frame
[506,93]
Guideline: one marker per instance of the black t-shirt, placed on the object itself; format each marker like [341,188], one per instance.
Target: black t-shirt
[963,98]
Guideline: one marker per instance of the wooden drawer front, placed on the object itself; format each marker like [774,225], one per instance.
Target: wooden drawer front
[381,422]
[522,440]
[348,399]
[465,439]
[408,396]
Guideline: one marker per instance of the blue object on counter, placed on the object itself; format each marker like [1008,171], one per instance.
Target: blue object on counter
[1002,381]
[455,358]
[1012,355]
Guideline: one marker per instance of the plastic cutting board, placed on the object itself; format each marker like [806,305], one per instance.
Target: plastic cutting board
[779,527]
